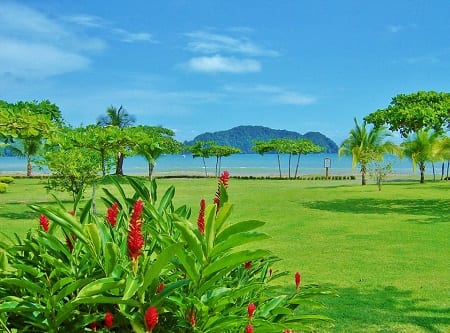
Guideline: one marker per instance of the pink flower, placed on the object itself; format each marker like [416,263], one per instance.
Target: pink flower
[151,318]
[135,238]
[44,222]
[297,280]
[201,217]
[111,214]
[249,329]
[251,310]
[109,319]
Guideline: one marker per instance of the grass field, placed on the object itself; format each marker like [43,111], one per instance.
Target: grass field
[387,253]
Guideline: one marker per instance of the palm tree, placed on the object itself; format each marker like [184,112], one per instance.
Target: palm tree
[27,147]
[366,145]
[420,147]
[120,118]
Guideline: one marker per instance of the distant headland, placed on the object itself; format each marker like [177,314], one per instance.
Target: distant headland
[242,137]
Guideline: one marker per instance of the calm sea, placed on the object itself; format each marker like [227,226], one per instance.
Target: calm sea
[238,165]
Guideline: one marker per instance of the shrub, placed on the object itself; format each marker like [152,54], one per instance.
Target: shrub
[6,179]
[3,187]
[145,267]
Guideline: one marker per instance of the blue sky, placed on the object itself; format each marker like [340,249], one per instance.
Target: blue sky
[203,66]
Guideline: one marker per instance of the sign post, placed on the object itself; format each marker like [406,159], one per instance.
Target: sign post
[327,166]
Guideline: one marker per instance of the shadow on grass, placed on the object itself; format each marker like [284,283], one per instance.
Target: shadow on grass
[437,210]
[23,212]
[387,309]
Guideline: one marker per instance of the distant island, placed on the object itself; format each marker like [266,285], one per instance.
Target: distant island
[242,137]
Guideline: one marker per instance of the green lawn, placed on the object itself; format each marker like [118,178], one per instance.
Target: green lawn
[387,253]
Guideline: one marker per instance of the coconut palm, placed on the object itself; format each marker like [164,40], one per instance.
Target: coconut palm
[120,118]
[420,147]
[28,148]
[367,145]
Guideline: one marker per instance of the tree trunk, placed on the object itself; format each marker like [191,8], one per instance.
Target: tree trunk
[448,166]
[204,166]
[217,166]
[29,166]
[363,175]
[289,170]
[119,166]
[102,153]
[151,167]
[442,170]
[434,173]
[422,172]
[279,164]
[296,167]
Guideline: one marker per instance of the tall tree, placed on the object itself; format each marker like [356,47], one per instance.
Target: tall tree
[151,142]
[414,112]
[304,146]
[222,151]
[366,145]
[201,149]
[122,119]
[420,148]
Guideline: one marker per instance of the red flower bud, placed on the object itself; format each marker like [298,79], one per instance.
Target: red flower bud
[111,214]
[160,288]
[135,238]
[297,280]
[44,222]
[251,310]
[249,329]
[151,318]
[109,319]
[201,217]
[248,265]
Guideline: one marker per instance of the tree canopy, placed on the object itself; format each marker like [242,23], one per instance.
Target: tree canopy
[409,113]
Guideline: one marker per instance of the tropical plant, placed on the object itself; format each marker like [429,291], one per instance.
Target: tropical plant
[367,145]
[121,119]
[145,267]
[201,149]
[222,151]
[420,148]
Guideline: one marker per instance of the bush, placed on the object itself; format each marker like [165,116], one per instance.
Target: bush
[145,267]
[6,179]
[3,187]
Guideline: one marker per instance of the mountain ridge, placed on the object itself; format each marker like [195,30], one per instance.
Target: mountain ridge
[243,136]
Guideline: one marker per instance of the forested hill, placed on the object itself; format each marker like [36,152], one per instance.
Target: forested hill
[243,136]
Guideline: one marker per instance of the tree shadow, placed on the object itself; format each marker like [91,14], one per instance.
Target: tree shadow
[20,211]
[387,309]
[437,210]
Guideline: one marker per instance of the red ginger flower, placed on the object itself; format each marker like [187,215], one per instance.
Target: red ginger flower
[201,217]
[223,181]
[192,318]
[251,310]
[151,318]
[44,222]
[109,319]
[249,329]
[135,237]
[297,280]
[248,265]
[93,326]
[111,214]
[160,288]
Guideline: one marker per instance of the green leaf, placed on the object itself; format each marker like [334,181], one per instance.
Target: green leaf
[237,240]
[140,188]
[210,219]
[233,260]
[166,199]
[237,228]
[265,309]
[111,253]
[154,271]
[93,233]
[85,213]
[24,284]
[189,266]
[191,239]
[131,287]
[222,216]
[99,286]
[36,273]
[4,266]
[71,288]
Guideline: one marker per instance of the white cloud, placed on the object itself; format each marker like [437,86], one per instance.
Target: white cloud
[31,60]
[130,37]
[219,64]
[209,43]
[90,21]
[272,94]
[34,46]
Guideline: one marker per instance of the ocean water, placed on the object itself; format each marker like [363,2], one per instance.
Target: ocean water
[238,165]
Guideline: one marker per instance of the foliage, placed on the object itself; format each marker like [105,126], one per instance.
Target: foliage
[72,169]
[201,149]
[242,137]
[287,146]
[380,171]
[146,267]
[411,113]
[151,142]
[3,187]
[6,179]
[421,147]
[367,145]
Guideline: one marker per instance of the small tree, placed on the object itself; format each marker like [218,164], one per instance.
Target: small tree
[222,151]
[380,171]
[201,149]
